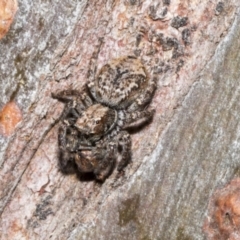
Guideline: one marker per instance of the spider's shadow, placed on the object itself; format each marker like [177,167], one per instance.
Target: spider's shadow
[85,177]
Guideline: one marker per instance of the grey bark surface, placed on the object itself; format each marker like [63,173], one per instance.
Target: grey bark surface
[189,150]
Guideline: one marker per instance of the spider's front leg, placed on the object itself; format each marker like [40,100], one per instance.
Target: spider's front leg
[66,157]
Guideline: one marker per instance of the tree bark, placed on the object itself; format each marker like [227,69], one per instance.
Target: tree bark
[189,151]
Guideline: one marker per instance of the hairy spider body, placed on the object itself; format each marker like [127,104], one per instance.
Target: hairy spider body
[94,129]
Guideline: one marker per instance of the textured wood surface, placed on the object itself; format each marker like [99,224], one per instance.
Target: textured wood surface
[190,150]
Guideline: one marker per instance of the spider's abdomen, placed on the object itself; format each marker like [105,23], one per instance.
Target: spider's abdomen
[120,82]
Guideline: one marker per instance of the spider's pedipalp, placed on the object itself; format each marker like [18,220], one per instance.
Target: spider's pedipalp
[106,160]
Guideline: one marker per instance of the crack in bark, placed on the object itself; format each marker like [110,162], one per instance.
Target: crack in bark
[12,190]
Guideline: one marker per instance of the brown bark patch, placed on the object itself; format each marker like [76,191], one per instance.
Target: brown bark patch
[223,221]
[10,116]
[8,9]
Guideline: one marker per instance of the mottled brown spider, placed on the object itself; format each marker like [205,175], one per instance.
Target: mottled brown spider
[94,124]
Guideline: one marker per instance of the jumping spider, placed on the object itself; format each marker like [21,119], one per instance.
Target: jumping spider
[95,121]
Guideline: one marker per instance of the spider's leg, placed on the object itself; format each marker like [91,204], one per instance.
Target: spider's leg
[106,156]
[145,96]
[74,97]
[137,118]
[69,115]
[66,95]
[66,158]
[124,142]
[75,103]
[92,70]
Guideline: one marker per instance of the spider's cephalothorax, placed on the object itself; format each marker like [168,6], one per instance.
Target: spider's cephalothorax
[94,124]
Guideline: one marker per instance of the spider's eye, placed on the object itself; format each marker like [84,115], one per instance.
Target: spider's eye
[97,121]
